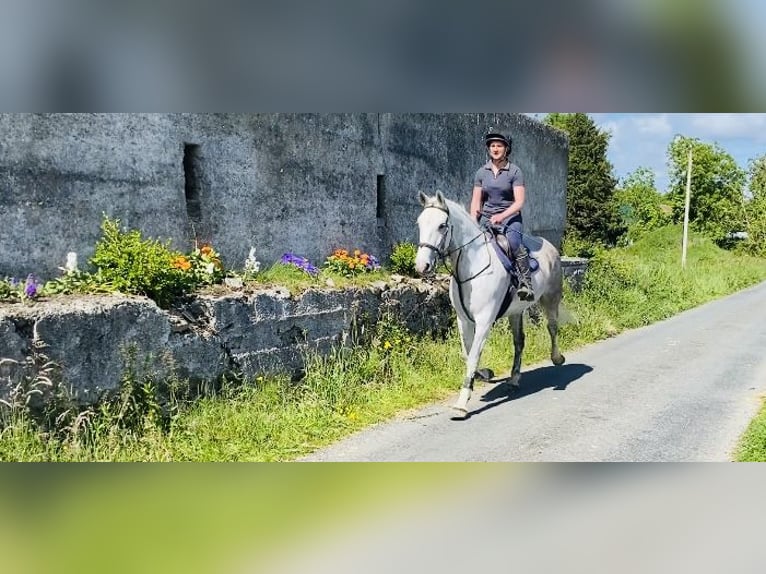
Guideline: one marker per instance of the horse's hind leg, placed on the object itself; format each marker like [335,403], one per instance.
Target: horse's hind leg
[517,328]
[550,304]
[481,332]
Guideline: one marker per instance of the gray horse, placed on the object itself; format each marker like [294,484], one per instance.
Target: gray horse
[480,283]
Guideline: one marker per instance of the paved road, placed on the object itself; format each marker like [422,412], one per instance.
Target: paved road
[680,390]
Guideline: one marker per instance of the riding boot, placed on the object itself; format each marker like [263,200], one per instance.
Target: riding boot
[525,291]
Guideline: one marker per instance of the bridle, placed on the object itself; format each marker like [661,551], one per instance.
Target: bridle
[444,255]
[438,249]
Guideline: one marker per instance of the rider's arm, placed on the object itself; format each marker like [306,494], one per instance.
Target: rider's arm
[476,202]
[519,193]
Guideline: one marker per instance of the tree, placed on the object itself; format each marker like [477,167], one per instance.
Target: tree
[641,206]
[592,212]
[755,208]
[717,184]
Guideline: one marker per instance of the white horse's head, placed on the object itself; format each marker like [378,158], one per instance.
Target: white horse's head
[434,232]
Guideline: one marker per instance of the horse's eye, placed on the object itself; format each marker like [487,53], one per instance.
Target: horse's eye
[443,227]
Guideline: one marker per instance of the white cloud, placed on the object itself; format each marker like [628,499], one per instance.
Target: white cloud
[724,126]
[658,125]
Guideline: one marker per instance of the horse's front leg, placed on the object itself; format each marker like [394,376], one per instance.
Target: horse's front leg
[517,328]
[466,329]
[481,332]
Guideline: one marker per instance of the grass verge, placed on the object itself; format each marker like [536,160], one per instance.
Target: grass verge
[271,419]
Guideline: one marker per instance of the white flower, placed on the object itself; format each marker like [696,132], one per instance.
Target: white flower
[71,262]
[252,265]
[209,268]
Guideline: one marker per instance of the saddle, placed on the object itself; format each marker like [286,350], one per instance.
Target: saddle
[503,249]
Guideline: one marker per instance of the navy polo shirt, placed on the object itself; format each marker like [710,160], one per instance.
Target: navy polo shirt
[497,191]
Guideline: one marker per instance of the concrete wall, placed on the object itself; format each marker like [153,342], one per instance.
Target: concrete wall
[302,182]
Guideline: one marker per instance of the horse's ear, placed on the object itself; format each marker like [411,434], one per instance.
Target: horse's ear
[440,198]
[423,198]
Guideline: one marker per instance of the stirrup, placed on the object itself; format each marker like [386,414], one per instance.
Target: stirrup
[525,293]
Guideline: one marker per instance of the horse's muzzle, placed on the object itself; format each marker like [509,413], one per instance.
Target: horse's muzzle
[425,260]
[426,268]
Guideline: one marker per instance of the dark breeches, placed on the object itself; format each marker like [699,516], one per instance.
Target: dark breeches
[514,233]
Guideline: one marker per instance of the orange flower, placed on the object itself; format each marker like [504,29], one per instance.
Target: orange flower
[357,253]
[182,263]
[206,250]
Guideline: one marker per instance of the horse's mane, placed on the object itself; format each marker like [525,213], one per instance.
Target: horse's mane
[457,209]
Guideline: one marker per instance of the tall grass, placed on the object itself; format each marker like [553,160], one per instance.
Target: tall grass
[273,419]
[752,446]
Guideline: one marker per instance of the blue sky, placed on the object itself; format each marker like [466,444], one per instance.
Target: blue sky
[641,140]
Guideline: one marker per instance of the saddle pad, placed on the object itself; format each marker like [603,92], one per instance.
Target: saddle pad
[508,264]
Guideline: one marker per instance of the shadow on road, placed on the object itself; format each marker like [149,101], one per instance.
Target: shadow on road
[550,377]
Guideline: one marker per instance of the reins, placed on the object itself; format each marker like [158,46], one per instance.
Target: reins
[444,255]
[459,250]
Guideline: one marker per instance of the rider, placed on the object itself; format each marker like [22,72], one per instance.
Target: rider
[498,196]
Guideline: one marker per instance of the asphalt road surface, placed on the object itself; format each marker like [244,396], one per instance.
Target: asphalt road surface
[681,390]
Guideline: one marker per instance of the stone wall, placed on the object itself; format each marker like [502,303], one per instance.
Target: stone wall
[95,340]
[303,182]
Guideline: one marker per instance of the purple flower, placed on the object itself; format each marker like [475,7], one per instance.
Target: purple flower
[32,286]
[299,262]
[373,263]
[14,282]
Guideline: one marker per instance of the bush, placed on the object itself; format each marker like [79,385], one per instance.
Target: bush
[206,267]
[574,246]
[403,259]
[141,267]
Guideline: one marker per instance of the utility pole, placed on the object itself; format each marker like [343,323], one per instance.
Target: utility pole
[686,209]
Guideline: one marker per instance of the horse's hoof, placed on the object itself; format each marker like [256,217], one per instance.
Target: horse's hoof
[460,413]
[558,360]
[514,381]
[485,374]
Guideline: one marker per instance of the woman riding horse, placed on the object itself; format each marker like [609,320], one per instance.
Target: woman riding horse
[498,196]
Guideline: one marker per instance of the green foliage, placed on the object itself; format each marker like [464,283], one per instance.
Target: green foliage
[574,246]
[755,208]
[286,275]
[641,206]
[78,282]
[14,291]
[752,446]
[403,259]
[592,212]
[140,267]
[717,184]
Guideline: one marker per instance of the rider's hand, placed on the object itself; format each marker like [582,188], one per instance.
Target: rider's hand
[497,219]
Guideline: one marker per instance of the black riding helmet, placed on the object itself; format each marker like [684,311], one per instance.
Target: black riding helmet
[495,137]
